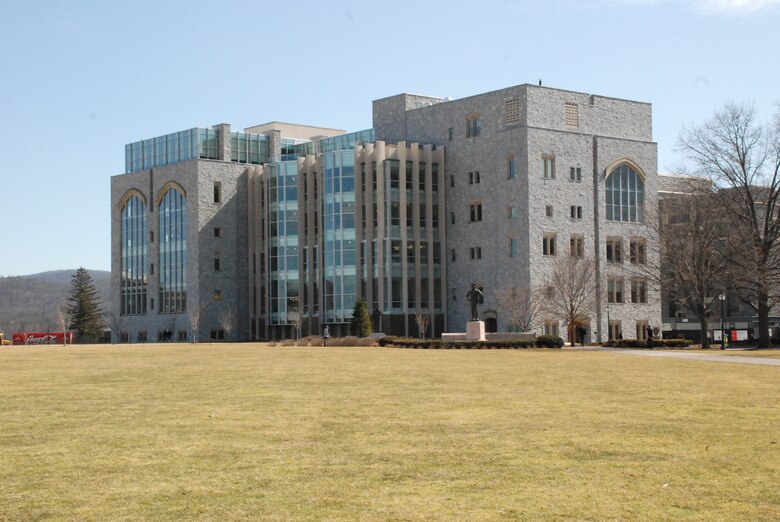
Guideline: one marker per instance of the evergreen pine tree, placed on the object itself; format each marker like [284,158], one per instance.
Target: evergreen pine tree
[83,307]
[361,322]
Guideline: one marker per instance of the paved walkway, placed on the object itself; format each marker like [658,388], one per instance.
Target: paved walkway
[690,356]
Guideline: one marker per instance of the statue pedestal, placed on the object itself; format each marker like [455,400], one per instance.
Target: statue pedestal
[475,331]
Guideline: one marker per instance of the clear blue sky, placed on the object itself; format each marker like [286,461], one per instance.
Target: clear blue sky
[80,79]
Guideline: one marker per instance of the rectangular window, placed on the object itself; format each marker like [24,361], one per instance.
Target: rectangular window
[637,249]
[548,243]
[218,295]
[551,327]
[452,255]
[576,212]
[614,289]
[473,127]
[514,245]
[511,171]
[575,174]
[475,213]
[394,173]
[511,212]
[615,330]
[474,177]
[641,329]
[452,180]
[548,166]
[614,250]
[548,210]
[217,232]
[638,290]
[451,133]
[475,252]
[217,264]
[577,244]
[217,192]
[452,218]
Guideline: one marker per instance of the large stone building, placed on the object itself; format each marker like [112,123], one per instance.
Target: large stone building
[277,230]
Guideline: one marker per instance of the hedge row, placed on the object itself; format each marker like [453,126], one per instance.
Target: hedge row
[544,341]
[657,343]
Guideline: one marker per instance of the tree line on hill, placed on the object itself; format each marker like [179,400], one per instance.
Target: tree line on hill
[37,302]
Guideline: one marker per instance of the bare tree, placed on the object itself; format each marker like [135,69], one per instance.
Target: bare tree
[689,264]
[523,307]
[115,322]
[742,159]
[423,319]
[228,319]
[194,315]
[294,318]
[570,289]
[63,319]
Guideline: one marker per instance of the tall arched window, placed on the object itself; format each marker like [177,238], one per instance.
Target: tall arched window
[133,286]
[173,252]
[625,191]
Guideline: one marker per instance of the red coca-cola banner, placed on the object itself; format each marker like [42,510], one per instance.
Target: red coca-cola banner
[42,338]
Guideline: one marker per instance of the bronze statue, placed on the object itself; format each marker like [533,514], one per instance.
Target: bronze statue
[473,297]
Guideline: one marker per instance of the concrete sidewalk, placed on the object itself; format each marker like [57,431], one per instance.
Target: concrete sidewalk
[689,356]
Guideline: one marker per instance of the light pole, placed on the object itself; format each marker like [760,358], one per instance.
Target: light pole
[609,326]
[722,298]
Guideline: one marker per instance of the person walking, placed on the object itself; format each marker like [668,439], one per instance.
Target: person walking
[649,337]
[325,336]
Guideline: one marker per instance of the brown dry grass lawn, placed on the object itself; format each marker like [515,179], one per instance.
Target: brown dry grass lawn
[281,433]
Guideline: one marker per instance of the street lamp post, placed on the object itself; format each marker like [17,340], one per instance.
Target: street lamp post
[722,298]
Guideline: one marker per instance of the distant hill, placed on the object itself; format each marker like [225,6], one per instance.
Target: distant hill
[30,302]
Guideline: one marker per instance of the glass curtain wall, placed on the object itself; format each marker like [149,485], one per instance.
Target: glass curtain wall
[173,252]
[248,148]
[135,237]
[339,254]
[283,229]
[171,148]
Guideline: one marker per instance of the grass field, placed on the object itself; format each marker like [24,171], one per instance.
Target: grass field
[253,432]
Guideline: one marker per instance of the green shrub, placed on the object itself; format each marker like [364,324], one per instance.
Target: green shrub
[549,341]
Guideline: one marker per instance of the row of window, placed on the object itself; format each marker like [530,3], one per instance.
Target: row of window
[624,189]
[614,248]
[547,171]
[167,336]
[576,248]
[616,290]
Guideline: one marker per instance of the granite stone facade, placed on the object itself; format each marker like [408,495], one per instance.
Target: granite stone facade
[517,170]
[525,124]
